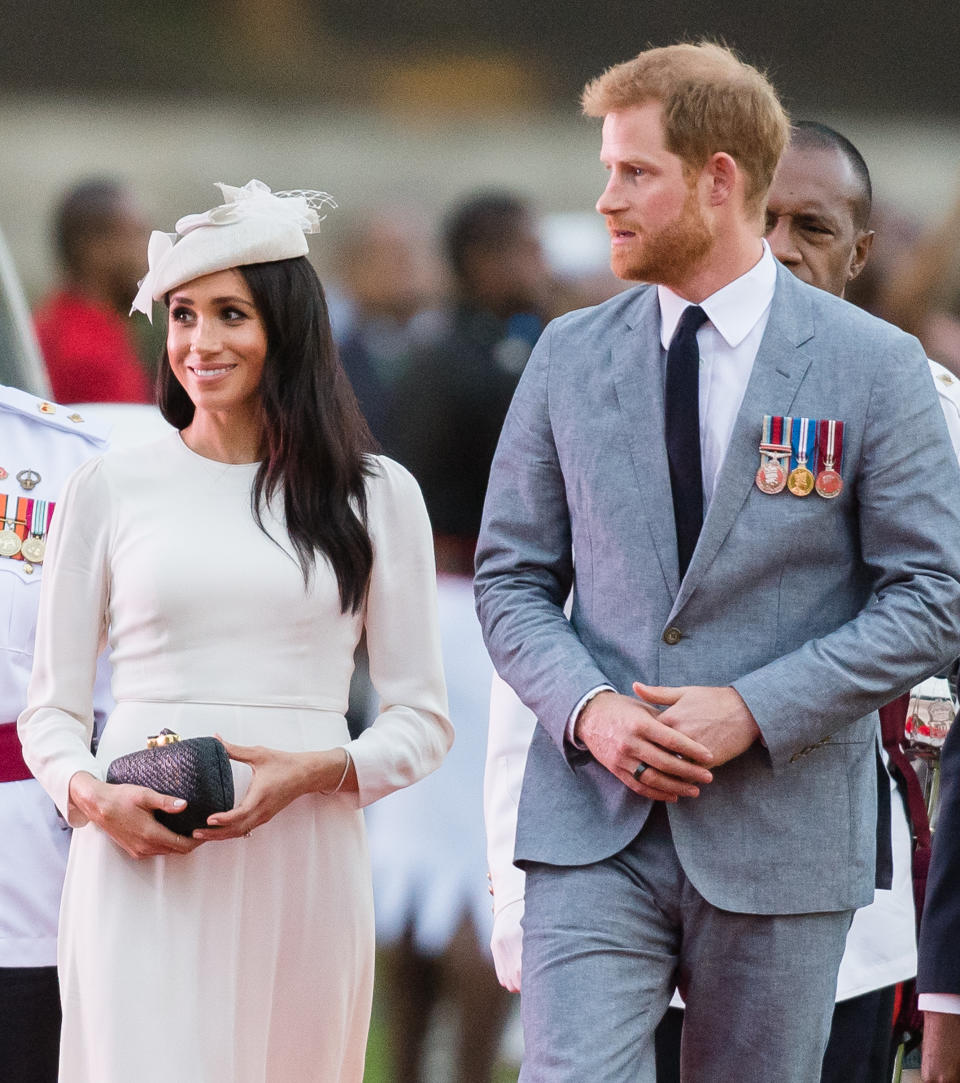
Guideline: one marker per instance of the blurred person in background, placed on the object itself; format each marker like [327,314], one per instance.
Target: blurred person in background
[43,444]
[100,236]
[430,888]
[913,279]
[447,410]
[922,291]
[577,249]
[433,912]
[390,279]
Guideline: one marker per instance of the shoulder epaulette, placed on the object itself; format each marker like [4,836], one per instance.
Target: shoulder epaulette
[52,414]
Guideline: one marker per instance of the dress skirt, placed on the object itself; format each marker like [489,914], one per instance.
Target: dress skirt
[267,940]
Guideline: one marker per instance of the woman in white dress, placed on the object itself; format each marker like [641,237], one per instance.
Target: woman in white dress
[232,567]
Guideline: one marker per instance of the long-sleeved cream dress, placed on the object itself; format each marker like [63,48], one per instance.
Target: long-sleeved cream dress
[250,960]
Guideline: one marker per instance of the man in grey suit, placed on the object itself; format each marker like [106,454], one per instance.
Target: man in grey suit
[717,828]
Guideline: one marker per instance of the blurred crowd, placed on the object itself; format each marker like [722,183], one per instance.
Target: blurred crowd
[434,323]
[408,296]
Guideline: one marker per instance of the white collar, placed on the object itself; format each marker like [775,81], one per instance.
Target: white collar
[733,310]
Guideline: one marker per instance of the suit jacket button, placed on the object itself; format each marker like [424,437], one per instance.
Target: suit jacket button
[672,636]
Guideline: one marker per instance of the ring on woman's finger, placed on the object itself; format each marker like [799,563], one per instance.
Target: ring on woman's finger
[639,769]
[248,834]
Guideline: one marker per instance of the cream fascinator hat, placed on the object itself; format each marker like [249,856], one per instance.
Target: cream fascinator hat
[253,225]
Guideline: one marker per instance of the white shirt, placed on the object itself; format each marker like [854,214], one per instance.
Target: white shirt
[728,344]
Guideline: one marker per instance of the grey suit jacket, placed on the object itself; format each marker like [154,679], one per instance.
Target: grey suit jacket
[817,611]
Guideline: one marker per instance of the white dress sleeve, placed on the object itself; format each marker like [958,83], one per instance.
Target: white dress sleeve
[57,725]
[412,732]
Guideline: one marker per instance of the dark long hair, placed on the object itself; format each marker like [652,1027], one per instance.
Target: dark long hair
[316,444]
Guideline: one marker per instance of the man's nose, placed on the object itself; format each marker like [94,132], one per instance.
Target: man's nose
[611,200]
[782,243]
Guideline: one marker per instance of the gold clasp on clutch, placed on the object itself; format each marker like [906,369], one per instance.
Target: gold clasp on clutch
[164,737]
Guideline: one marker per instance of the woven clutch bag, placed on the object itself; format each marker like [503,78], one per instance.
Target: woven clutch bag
[198,770]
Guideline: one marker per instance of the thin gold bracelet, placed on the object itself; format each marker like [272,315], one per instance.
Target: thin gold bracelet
[343,777]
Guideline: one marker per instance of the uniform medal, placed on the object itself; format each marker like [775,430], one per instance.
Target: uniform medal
[772,477]
[9,538]
[34,547]
[830,447]
[803,437]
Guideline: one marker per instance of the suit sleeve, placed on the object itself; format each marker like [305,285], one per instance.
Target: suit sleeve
[525,562]
[906,486]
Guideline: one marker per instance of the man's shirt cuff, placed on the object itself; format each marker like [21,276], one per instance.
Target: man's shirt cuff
[948,1003]
[575,714]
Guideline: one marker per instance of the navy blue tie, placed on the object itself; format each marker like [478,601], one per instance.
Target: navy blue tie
[682,425]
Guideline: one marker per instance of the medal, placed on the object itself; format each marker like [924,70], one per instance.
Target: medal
[772,477]
[34,547]
[33,550]
[801,480]
[9,538]
[830,446]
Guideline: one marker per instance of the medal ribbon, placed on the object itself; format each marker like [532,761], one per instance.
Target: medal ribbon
[765,434]
[830,445]
[9,521]
[775,436]
[24,509]
[803,438]
[38,519]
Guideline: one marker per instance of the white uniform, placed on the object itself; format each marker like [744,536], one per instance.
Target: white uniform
[881,945]
[426,842]
[37,439]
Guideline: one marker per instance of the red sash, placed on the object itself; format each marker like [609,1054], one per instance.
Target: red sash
[12,767]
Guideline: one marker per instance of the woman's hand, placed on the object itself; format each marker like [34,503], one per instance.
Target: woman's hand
[278,778]
[125,813]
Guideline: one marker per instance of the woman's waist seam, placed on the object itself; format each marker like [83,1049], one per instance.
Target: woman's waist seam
[230,703]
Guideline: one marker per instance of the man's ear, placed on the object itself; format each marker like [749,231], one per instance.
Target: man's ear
[861,253]
[722,172]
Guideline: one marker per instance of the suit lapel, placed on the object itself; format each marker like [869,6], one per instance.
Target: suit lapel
[776,375]
[638,379]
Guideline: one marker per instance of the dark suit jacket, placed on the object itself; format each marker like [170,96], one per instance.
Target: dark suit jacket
[939,963]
